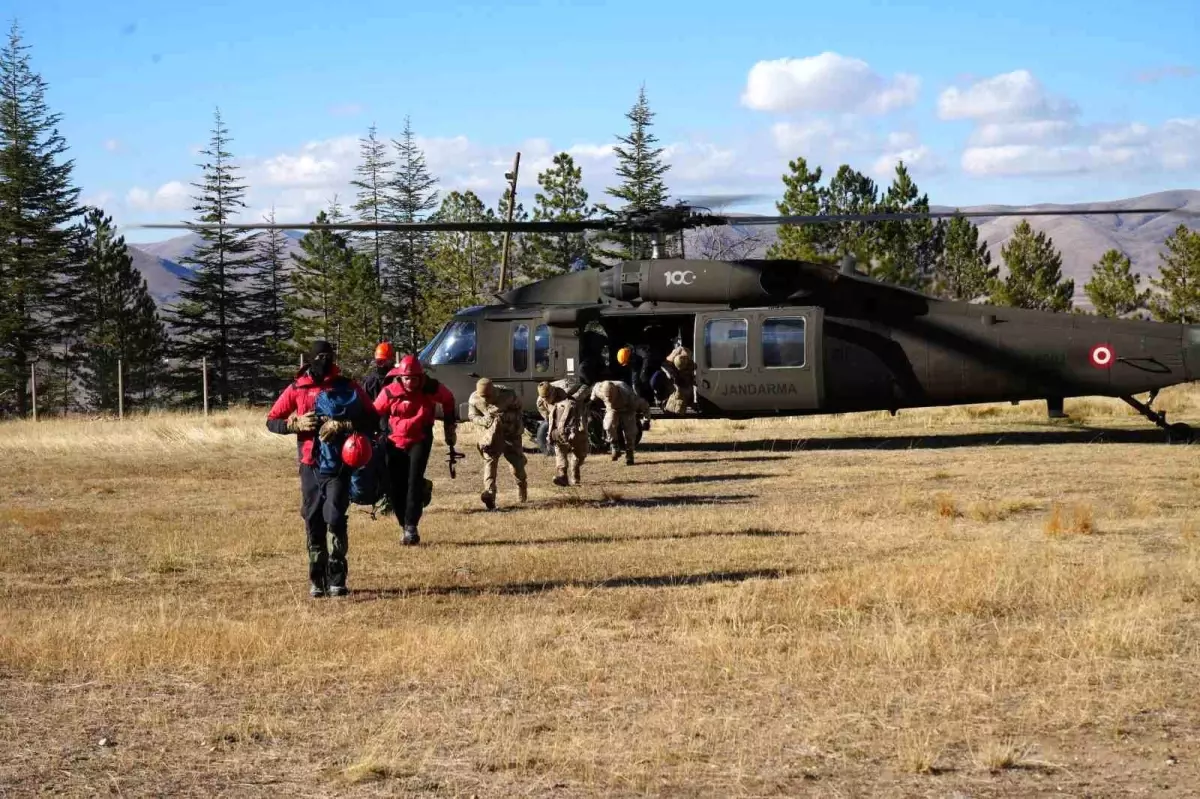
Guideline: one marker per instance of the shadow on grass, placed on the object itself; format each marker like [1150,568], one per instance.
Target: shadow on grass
[539,587]
[688,479]
[611,501]
[1075,435]
[616,539]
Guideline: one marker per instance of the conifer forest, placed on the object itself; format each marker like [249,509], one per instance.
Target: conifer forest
[76,314]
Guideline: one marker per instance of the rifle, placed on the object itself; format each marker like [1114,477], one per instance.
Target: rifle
[451,457]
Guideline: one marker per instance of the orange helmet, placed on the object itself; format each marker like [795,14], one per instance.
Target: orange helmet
[384,352]
[623,355]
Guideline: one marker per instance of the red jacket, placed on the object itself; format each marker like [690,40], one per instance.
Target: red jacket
[301,397]
[411,414]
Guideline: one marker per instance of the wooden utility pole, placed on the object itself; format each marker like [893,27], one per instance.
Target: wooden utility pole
[512,205]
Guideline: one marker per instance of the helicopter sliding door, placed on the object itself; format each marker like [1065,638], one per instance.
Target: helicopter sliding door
[531,357]
[751,361]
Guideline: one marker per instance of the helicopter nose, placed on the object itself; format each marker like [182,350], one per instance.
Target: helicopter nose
[1191,352]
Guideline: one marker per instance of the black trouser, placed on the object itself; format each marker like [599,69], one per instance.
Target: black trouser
[406,488]
[324,504]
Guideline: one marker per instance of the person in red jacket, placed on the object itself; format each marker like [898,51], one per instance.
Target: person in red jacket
[408,404]
[324,498]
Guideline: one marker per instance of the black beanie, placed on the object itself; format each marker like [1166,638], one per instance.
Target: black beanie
[319,347]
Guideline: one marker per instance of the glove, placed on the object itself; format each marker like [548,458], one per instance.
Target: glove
[451,435]
[302,424]
[333,427]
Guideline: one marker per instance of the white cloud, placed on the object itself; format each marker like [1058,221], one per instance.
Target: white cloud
[1021,129]
[172,196]
[826,82]
[1010,97]
[1136,147]
[112,145]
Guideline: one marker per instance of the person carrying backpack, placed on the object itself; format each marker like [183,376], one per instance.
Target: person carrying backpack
[409,406]
[322,407]
[563,405]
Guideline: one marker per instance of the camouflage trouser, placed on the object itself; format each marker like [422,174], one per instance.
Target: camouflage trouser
[620,425]
[570,455]
[512,452]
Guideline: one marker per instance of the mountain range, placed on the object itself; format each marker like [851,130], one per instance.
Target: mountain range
[1082,240]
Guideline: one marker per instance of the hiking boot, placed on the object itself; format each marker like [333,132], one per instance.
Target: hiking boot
[489,501]
[410,537]
[629,458]
[561,480]
[316,590]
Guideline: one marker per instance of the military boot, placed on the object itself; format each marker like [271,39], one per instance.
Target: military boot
[410,536]
[575,479]
[317,581]
[560,479]
[488,499]
[629,458]
[523,492]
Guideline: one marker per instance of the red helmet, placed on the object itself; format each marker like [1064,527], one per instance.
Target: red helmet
[384,351]
[356,452]
[409,366]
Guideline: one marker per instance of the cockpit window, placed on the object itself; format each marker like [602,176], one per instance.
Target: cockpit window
[455,344]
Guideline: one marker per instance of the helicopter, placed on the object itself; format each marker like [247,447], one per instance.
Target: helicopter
[777,337]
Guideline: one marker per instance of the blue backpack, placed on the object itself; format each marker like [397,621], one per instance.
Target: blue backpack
[367,483]
[340,401]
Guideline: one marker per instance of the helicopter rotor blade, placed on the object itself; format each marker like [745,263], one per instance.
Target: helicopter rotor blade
[660,219]
[910,216]
[416,227]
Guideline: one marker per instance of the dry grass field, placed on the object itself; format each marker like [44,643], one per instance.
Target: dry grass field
[965,602]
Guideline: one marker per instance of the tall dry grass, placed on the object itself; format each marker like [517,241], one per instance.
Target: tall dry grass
[818,610]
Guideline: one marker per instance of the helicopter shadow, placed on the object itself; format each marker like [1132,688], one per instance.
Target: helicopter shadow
[619,539]
[1078,435]
[691,479]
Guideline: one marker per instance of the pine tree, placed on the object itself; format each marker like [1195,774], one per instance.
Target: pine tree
[463,263]
[1179,279]
[315,304]
[118,326]
[270,333]
[966,271]
[640,165]
[851,192]
[37,203]
[803,195]
[909,252]
[411,195]
[358,307]
[1113,287]
[210,318]
[562,199]
[1034,273]
[372,185]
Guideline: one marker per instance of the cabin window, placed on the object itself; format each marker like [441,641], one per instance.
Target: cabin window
[725,343]
[783,342]
[541,349]
[455,345]
[520,348]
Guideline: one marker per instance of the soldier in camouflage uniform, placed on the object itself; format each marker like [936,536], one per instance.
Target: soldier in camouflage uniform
[564,406]
[622,409]
[496,411]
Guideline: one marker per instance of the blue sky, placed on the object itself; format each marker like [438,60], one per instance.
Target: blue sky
[1015,102]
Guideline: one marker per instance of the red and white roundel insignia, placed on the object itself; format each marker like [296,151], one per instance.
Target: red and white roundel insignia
[1102,355]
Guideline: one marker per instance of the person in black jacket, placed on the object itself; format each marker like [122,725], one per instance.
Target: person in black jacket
[376,377]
